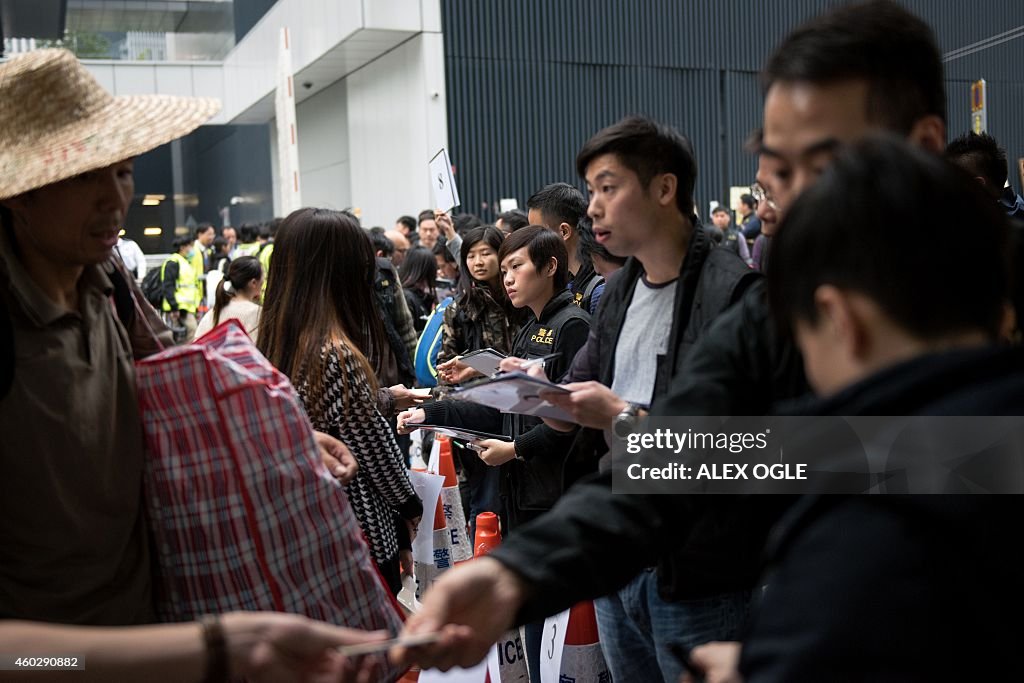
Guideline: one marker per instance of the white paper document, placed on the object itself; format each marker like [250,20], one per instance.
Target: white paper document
[446,194]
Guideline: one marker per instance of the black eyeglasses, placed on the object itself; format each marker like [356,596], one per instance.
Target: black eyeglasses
[761,194]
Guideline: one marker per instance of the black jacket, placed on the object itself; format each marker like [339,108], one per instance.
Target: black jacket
[420,305]
[897,587]
[710,280]
[532,485]
[741,366]
[583,285]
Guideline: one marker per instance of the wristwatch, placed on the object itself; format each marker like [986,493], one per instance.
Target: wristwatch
[624,422]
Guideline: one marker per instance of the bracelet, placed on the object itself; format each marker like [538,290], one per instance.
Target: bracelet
[216,649]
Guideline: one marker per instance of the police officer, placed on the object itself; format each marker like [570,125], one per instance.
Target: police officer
[180,288]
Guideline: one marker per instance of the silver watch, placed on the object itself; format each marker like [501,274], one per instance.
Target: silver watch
[624,423]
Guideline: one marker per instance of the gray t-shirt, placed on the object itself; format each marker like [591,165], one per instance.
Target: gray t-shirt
[644,337]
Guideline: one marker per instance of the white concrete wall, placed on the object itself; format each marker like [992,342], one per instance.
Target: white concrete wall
[396,122]
[324,169]
[188,79]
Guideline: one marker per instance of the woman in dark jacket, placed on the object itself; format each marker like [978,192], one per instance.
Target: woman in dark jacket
[533,263]
[481,316]
[419,275]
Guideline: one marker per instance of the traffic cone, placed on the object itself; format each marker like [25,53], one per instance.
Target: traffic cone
[452,500]
[410,676]
[512,665]
[487,535]
[582,658]
[426,574]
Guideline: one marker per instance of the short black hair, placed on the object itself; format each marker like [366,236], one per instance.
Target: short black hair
[407,221]
[542,245]
[381,243]
[425,215]
[248,232]
[721,208]
[441,249]
[559,203]
[980,155]
[589,246]
[182,241]
[748,200]
[513,219]
[878,41]
[957,256]
[203,227]
[464,222]
[219,243]
[647,148]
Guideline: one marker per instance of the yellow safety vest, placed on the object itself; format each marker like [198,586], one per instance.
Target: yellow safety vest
[264,257]
[186,291]
[248,249]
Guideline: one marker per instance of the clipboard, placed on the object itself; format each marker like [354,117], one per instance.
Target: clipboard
[484,361]
[459,433]
[514,392]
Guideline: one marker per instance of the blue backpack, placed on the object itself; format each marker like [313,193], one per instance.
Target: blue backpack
[429,345]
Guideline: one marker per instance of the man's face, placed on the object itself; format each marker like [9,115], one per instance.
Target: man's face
[401,246]
[231,236]
[622,209]
[402,228]
[804,126]
[206,238]
[75,222]
[428,234]
[720,219]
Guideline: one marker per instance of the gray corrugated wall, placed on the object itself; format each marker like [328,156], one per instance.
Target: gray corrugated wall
[530,80]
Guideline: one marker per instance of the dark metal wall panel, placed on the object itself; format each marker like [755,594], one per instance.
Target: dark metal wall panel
[530,80]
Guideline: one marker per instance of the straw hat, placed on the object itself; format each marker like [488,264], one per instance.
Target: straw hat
[56,121]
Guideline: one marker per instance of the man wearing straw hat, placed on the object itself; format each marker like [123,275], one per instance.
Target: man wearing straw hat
[73,540]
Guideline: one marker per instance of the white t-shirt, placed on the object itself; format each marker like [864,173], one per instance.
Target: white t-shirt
[243,310]
[644,337]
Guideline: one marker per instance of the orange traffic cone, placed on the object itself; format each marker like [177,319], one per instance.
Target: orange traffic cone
[487,535]
[582,658]
[512,665]
[452,499]
[426,574]
[410,676]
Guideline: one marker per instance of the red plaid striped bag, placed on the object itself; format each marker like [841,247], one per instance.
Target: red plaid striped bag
[243,513]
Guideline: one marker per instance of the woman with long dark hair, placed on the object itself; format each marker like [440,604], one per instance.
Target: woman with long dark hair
[419,275]
[481,316]
[320,326]
[237,297]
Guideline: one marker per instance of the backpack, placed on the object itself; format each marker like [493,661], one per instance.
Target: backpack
[429,345]
[152,287]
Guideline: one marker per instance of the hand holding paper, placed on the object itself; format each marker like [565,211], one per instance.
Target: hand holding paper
[471,606]
[590,404]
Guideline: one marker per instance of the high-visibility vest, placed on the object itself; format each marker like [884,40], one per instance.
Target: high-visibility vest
[186,291]
[264,256]
[248,249]
[199,260]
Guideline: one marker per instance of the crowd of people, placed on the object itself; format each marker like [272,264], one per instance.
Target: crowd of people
[869,271]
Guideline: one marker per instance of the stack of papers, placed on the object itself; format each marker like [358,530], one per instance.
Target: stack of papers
[514,392]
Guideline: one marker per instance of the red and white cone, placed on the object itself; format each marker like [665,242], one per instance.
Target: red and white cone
[582,658]
[426,574]
[451,499]
[512,665]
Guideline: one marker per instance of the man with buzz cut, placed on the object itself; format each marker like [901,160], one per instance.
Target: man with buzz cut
[560,207]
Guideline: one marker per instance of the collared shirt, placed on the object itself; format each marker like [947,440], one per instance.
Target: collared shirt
[73,545]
